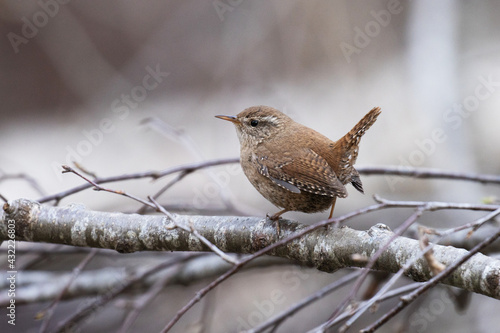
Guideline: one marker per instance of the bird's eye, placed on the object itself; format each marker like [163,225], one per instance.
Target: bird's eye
[254,122]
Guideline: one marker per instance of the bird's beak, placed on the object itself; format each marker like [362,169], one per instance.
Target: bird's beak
[229,118]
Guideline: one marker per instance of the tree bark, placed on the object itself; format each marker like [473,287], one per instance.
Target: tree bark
[327,249]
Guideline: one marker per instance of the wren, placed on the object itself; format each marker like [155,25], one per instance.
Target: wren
[293,166]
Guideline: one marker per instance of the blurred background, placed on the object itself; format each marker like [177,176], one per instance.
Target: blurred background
[123,87]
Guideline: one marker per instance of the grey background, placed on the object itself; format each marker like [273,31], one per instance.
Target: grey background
[419,61]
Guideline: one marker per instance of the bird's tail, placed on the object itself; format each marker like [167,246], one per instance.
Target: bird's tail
[348,147]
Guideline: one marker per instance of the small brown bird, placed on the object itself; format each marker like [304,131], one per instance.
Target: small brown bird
[293,166]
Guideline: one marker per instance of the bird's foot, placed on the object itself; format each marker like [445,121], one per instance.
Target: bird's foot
[276,219]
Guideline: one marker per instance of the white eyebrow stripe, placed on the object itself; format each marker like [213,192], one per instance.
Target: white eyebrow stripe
[271,119]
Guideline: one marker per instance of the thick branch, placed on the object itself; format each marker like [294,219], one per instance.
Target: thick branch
[326,249]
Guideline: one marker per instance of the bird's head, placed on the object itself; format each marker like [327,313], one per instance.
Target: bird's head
[258,124]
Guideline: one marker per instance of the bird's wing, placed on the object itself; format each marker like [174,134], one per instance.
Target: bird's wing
[301,170]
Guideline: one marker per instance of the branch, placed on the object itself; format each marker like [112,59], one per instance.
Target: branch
[464,238]
[186,168]
[42,286]
[325,249]
[407,171]
[405,300]
[404,171]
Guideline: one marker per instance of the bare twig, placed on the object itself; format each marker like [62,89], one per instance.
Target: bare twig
[22,176]
[39,286]
[409,221]
[171,183]
[68,323]
[427,173]
[257,254]
[495,209]
[143,301]
[192,230]
[147,174]
[84,170]
[460,237]
[423,206]
[434,205]
[368,170]
[406,300]
[186,140]
[278,319]
[98,187]
[158,208]
[366,304]
[426,249]
[48,312]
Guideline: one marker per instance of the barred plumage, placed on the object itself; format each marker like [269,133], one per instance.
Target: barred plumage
[293,166]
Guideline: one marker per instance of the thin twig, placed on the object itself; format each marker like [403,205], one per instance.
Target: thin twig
[202,292]
[85,170]
[395,277]
[190,229]
[158,208]
[48,312]
[171,183]
[278,319]
[154,204]
[27,178]
[474,225]
[147,174]
[362,308]
[427,173]
[188,142]
[428,248]
[398,232]
[367,170]
[393,293]
[66,324]
[434,205]
[98,187]
[406,300]
[144,300]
